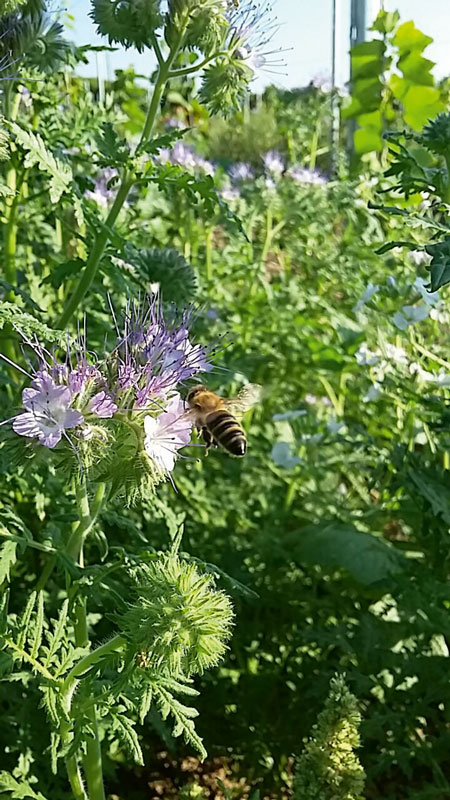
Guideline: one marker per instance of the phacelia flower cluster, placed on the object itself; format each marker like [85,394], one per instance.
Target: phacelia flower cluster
[184,156]
[135,388]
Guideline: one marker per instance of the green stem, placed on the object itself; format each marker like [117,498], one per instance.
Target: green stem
[208,253]
[128,180]
[176,73]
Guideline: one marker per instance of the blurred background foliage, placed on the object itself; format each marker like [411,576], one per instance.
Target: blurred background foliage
[332,535]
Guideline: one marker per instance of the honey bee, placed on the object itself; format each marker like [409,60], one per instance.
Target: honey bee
[215,417]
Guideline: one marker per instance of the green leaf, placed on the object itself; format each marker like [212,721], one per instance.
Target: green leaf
[407,37]
[39,622]
[58,633]
[19,790]
[37,153]
[127,734]
[440,263]
[112,147]
[367,140]
[153,146]
[8,557]
[62,272]
[367,558]
[28,325]
[4,600]
[436,492]
[386,21]
[421,103]
[25,621]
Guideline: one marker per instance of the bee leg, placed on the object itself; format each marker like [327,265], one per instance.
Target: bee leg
[208,439]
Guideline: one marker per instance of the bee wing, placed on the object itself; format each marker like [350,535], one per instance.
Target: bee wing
[246,398]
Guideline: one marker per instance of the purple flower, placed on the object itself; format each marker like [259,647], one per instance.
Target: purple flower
[240,172]
[102,194]
[167,433]
[274,163]
[251,29]
[230,194]
[305,175]
[183,155]
[102,405]
[155,356]
[48,413]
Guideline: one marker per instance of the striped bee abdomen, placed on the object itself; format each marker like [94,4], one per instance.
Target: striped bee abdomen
[226,430]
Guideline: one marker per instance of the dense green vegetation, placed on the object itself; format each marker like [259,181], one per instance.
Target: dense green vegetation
[312,273]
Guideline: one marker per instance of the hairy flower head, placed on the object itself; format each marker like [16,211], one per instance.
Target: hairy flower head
[179,620]
[128,22]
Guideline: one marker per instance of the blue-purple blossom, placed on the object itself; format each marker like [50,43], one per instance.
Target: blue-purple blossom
[137,384]
[182,155]
[102,194]
[304,175]
[48,411]
[241,172]
[102,405]
[251,29]
[167,433]
[274,162]
[230,194]
[154,356]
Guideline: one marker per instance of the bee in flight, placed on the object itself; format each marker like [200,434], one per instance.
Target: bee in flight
[215,417]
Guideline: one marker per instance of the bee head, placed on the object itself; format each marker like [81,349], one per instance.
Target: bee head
[194,393]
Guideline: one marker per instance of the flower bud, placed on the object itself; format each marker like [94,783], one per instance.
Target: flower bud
[225,85]
[129,22]
[180,622]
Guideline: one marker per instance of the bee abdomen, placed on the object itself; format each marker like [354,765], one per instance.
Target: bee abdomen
[227,432]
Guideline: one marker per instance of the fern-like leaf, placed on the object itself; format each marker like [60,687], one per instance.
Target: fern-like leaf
[126,732]
[182,716]
[39,624]
[56,637]
[8,557]
[11,314]
[38,153]
[25,620]
[19,790]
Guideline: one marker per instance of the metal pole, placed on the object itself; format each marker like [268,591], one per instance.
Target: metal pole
[358,25]
[335,126]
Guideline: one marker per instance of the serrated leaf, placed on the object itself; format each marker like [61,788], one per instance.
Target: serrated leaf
[19,790]
[112,147]
[440,263]
[28,325]
[4,600]
[153,146]
[25,621]
[58,633]
[8,557]
[182,716]
[39,623]
[55,741]
[38,153]
[50,703]
[146,701]
[127,734]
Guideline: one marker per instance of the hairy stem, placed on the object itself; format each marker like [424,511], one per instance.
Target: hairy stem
[92,761]
[127,182]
